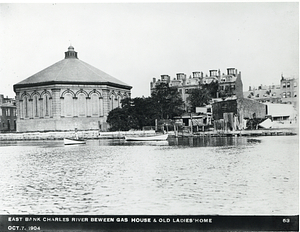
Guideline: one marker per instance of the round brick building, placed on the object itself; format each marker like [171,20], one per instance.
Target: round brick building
[67,95]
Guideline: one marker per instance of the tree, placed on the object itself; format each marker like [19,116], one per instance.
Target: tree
[119,119]
[203,95]
[134,114]
[168,101]
[199,97]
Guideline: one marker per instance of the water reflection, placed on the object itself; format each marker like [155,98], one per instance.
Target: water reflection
[204,141]
[208,141]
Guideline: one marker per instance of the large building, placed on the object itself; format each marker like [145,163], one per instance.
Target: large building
[229,84]
[67,95]
[7,114]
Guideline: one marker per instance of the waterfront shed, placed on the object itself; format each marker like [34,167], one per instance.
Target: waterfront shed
[238,110]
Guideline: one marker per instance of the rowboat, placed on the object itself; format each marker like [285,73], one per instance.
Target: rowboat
[69,141]
[148,138]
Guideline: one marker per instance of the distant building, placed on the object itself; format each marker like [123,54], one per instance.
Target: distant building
[264,94]
[229,84]
[289,90]
[67,95]
[286,92]
[8,115]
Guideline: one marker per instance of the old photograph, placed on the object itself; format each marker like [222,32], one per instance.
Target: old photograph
[174,114]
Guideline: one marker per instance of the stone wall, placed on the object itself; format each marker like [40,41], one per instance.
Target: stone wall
[92,134]
[63,124]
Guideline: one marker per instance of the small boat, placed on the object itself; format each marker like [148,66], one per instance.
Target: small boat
[69,141]
[148,138]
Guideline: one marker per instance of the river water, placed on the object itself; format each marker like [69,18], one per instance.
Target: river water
[191,176]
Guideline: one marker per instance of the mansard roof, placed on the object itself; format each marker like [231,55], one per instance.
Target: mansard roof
[71,70]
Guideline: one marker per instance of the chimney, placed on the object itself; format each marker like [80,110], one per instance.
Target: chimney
[196,74]
[231,71]
[180,76]
[213,73]
[165,78]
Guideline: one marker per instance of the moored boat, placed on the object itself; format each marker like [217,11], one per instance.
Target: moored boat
[147,138]
[70,141]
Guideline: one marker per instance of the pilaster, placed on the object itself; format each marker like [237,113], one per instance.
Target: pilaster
[56,104]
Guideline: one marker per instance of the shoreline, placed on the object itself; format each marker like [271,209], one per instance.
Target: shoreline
[95,134]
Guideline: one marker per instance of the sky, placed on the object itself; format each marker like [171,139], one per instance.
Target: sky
[136,42]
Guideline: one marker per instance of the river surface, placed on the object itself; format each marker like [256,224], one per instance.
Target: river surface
[200,176]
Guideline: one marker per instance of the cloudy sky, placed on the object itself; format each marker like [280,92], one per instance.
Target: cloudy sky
[135,42]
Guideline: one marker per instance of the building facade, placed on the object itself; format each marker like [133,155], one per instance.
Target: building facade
[229,84]
[289,90]
[286,92]
[8,113]
[67,95]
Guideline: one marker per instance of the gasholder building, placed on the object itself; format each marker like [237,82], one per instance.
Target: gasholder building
[67,95]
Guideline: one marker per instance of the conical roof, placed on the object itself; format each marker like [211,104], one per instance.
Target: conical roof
[71,70]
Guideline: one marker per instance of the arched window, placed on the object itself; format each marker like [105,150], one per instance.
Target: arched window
[81,103]
[95,105]
[68,104]
[46,106]
[112,97]
[25,104]
[35,106]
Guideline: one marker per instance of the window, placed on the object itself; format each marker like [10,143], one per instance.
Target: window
[295,94]
[288,94]
[36,106]
[284,94]
[81,100]
[68,104]
[95,104]
[26,107]
[283,85]
[46,105]
[295,84]
[288,84]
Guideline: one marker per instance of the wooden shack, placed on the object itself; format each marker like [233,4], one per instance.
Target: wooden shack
[234,113]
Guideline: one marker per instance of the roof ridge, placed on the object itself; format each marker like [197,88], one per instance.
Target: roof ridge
[60,69]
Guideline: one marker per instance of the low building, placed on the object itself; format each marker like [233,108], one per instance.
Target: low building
[281,112]
[8,115]
[236,112]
